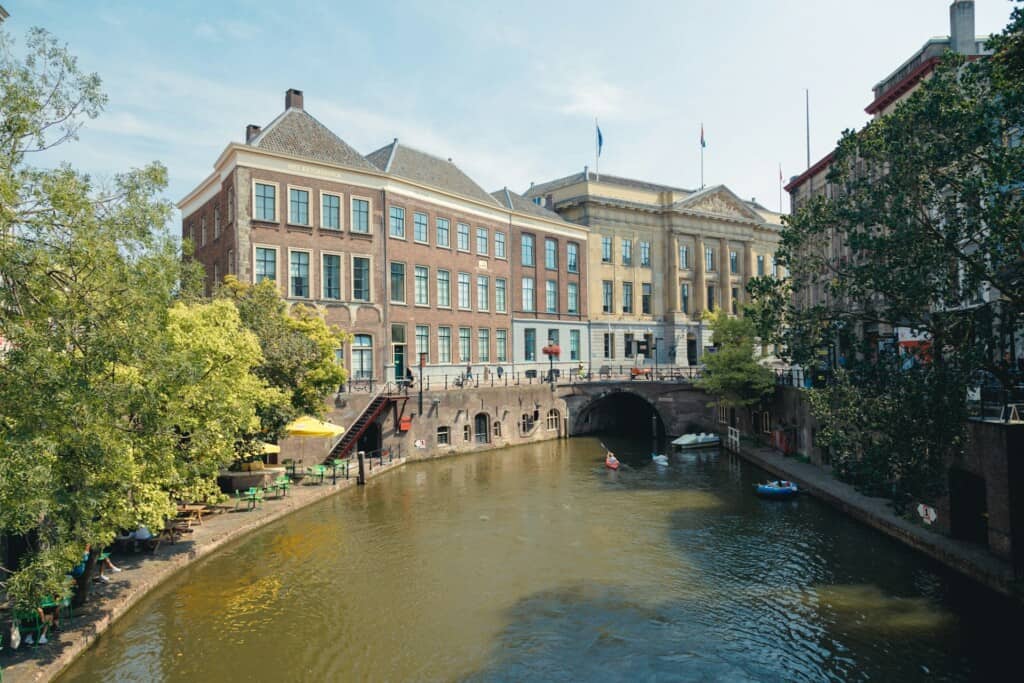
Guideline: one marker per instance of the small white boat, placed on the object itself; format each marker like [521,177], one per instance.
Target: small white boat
[659,459]
[691,441]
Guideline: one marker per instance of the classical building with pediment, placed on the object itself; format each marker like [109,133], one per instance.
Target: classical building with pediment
[659,257]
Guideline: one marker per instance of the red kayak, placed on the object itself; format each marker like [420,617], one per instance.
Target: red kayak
[611,462]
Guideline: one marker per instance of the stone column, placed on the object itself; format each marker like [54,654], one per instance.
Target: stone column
[697,297]
[724,277]
[748,267]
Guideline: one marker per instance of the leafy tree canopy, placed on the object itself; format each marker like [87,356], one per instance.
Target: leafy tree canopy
[732,373]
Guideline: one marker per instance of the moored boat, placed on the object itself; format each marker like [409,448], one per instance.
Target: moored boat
[777,489]
[702,440]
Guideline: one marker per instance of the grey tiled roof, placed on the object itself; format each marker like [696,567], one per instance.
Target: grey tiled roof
[296,132]
[516,202]
[541,188]
[406,162]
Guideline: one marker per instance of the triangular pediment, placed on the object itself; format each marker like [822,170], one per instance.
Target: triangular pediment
[719,201]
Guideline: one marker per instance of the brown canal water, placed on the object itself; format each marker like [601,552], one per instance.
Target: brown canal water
[537,563]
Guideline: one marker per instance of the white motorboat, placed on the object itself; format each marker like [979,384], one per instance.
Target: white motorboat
[659,459]
[691,441]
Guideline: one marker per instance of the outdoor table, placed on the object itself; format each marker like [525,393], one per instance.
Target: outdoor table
[317,471]
[282,484]
[252,497]
[335,465]
[192,513]
[290,465]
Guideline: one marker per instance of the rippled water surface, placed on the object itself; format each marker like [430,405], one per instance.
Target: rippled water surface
[537,563]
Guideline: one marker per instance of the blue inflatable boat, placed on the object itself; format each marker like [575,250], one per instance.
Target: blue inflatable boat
[777,489]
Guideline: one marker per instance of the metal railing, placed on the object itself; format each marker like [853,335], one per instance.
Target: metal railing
[515,378]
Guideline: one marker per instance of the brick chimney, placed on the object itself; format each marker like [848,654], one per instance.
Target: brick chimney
[251,131]
[293,99]
[961,27]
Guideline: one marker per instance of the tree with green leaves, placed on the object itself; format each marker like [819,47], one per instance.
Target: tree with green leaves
[298,348]
[122,392]
[921,229]
[731,373]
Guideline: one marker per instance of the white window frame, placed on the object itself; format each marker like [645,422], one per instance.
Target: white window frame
[202,230]
[504,307]
[341,274]
[426,227]
[309,268]
[277,200]
[437,284]
[487,240]
[416,345]
[437,242]
[309,196]
[503,257]
[231,205]
[277,261]
[469,293]
[469,238]
[341,211]
[352,272]
[369,215]
[405,283]
[425,304]
[486,280]
[405,223]
[216,222]
[442,357]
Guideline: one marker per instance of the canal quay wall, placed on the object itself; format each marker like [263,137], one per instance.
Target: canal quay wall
[144,572]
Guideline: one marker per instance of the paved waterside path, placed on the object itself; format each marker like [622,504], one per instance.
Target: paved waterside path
[974,561]
[144,571]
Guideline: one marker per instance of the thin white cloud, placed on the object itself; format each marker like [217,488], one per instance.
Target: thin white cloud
[226,30]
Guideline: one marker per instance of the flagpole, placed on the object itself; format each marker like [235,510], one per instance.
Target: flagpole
[807,104]
[702,155]
[780,188]
[597,152]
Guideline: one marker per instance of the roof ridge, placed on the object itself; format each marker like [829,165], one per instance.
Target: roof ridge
[391,156]
[269,127]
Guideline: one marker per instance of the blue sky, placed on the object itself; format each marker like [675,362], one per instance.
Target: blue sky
[508,90]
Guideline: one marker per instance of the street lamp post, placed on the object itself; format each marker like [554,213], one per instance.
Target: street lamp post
[423,361]
[551,351]
[654,351]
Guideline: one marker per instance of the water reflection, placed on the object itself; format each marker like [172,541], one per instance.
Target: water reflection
[537,563]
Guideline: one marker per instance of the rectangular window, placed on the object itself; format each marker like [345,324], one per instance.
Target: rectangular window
[709,259]
[422,286]
[627,297]
[550,253]
[397,282]
[501,345]
[735,300]
[606,296]
[443,232]
[526,250]
[553,336]
[299,274]
[734,263]
[266,264]
[330,211]
[684,297]
[360,278]
[444,345]
[463,237]
[331,276]
[216,274]
[530,344]
[572,260]
[231,261]
[574,344]
[202,231]
[573,296]
[362,356]
[551,296]
[645,254]
[266,202]
[481,241]
[397,222]
[606,250]
[231,204]
[298,206]
[483,345]
[443,436]
[775,267]
[483,293]
[419,227]
[499,244]
[360,216]
[711,297]
[645,298]
[628,342]
[464,345]
[216,222]
[627,252]
[500,301]
[444,289]
[422,344]
[528,294]
[684,257]
[609,345]
[760,264]
[463,289]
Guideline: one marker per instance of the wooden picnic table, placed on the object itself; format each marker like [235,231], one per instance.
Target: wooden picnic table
[191,513]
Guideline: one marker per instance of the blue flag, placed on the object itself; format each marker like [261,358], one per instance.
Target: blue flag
[600,139]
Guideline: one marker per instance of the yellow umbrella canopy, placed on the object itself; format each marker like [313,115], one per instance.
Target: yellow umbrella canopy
[310,426]
[269,448]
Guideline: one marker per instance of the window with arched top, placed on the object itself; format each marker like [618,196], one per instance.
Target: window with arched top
[526,423]
[497,429]
[553,419]
[481,427]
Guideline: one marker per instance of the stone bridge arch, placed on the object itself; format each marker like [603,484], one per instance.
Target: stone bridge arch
[627,408]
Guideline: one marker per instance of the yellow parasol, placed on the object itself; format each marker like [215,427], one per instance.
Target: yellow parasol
[310,426]
[269,448]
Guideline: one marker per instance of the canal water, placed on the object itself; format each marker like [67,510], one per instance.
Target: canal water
[537,563]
